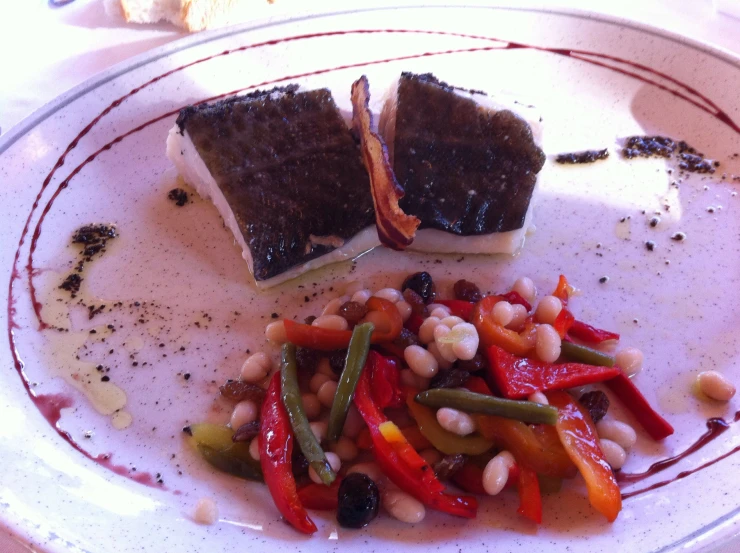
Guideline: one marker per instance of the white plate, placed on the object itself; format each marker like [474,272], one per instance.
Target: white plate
[180,264]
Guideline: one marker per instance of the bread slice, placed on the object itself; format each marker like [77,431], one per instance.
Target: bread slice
[192,15]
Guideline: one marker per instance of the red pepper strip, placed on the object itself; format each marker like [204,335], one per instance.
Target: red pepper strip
[562,291]
[385,380]
[276,449]
[412,481]
[530,499]
[588,333]
[564,322]
[478,385]
[632,399]
[578,435]
[470,478]
[518,378]
[326,339]
[458,308]
[515,298]
[364,441]
[320,497]
[414,322]
[393,436]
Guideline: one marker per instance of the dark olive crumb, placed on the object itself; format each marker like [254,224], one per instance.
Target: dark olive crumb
[105,378]
[274,315]
[604,279]
[422,284]
[310,319]
[587,156]
[187,430]
[186,376]
[179,196]
[467,291]
[72,284]
[650,245]
[596,403]
[654,221]
[679,236]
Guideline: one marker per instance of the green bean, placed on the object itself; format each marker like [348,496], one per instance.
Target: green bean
[231,464]
[298,421]
[582,354]
[470,402]
[359,346]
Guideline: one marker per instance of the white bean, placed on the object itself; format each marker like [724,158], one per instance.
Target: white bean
[547,343]
[353,287]
[334,462]
[525,287]
[538,397]
[244,412]
[362,296]
[326,393]
[613,453]
[440,339]
[403,507]
[345,449]
[431,456]
[311,405]
[317,381]
[206,511]
[432,306]
[519,315]
[467,346]
[455,421]
[496,473]
[320,429]
[332,308]
[617,431]
[440,312]
[716,386]
[371,470]
[256,367]
[332,322]
[404,309]
[390,294]
[426,330]
[503,313]
[254,448]
[548,309]
[443,363]
[275,332]
[629,360]
[451,321]
[421,361]
[353,424]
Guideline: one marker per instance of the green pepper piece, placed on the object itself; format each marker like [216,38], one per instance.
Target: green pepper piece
[230,464]
[447,442]
[470,402]
[298,420]
[359,346]
[214,444]
[583,354]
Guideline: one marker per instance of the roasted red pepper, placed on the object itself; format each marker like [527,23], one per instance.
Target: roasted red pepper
[458,308]
[563,290]
[587,333]
[469,478]
[414,322]
[530,499]
[385,380]
[518,377]
[398,463]
[578,435]
[632,399]
[276,449]
[326,339]
[320,497]
[493,334]
[563,322]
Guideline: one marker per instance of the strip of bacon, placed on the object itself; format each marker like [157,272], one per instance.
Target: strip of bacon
[396,230]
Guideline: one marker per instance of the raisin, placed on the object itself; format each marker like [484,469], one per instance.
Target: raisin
[454,378]
[336,360]
[596,403]
[422,284]
[415,301]
[238,390]
[477,363]
[353,312]
[307,359]
[406,339]
[246,432]
[449,465]
[467,291]
[310,319]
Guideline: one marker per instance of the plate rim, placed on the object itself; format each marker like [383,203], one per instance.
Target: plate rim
[21,534]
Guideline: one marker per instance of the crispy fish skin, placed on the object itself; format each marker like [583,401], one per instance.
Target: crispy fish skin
[466,169]
[290,171]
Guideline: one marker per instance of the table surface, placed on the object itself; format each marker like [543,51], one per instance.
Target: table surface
[63,47]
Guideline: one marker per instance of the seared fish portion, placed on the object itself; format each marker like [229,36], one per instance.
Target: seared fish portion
[468,166]
[285,174]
